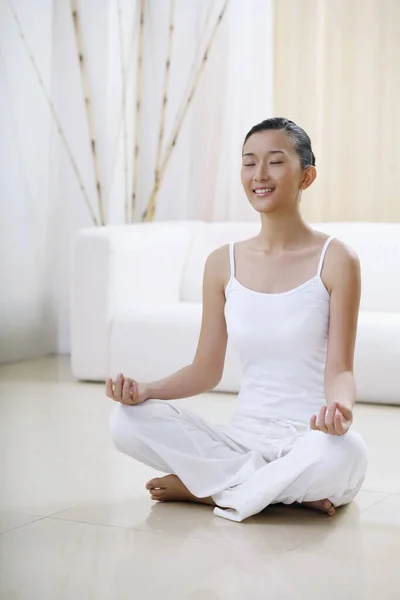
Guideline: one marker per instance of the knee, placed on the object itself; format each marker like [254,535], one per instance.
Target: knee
[119,426]
[355,448]
[352,449]
[348,452]
[128,422]
[353,462]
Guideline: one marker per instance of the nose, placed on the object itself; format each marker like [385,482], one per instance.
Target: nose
[261,173]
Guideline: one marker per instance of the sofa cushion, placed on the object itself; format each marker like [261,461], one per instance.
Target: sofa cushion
[151,342]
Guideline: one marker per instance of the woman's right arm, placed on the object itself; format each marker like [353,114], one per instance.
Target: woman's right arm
[205,371]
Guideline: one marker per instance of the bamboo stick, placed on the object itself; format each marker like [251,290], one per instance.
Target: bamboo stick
[149,213]
[128,71]
[165,90]
[192,72]
[123,109]
[88,107]
[138,109]
[114,157]
[56,118]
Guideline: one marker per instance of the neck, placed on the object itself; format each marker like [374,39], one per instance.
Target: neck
[283,231]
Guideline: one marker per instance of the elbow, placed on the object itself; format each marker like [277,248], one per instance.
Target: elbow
[208,374]
[215,381]
[212,379]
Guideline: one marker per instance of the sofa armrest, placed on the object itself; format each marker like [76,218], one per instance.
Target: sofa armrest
[115,267]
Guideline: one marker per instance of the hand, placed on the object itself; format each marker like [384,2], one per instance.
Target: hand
[336,419]
[126,390]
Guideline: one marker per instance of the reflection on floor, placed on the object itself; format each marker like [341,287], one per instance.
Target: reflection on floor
[77,523]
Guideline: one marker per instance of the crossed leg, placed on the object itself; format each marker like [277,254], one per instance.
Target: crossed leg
[171,489]
[174,441]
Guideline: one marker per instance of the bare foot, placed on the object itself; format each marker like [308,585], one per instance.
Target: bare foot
[170,488]
[325,506]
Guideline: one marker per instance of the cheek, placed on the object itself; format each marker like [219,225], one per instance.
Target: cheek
[246,178]
[285,180]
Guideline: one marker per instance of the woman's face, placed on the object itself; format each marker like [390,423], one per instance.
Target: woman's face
[272,175]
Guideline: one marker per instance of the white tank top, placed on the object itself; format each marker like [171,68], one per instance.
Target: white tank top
[281,340]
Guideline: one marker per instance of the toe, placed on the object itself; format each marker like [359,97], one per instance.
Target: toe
[153,483]
[158,495]
[328,507]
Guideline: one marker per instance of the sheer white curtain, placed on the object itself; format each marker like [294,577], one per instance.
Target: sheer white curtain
[337,74]
[26,316]
[42,201]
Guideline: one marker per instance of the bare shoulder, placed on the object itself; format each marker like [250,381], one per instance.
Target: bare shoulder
[341,266]
[218,264]
[342,254]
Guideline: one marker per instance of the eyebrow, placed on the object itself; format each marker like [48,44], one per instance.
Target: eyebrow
[270,152]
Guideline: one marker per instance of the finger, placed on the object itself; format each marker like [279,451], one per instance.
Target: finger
[346,412]
[345,424]
[345,427]
[135,392]
[330,417]
[321,419]
[118,387]
[339,424]
[313,423]
[126,391]
[109,389]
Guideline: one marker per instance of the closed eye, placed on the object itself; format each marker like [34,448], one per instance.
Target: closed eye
[276,163]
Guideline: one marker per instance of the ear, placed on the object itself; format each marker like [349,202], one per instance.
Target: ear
[310,175]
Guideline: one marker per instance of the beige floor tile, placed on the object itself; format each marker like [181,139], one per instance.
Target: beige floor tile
[43,484]
[277,529]
[68,560]
[365,499]
[300,575]
[56,427]
[10,520]
[386,512]
[49,368]
[108,540]
[372,537]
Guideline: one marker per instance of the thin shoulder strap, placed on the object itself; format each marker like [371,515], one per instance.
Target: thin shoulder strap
[232,258]
[321,260]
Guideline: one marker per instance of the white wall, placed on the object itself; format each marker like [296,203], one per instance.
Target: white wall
[42,205]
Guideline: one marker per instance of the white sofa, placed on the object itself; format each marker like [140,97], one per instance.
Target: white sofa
[136,300]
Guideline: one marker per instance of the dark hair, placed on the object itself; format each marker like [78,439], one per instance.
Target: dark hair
[300,140]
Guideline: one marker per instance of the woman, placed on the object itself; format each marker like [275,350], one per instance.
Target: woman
[289,300]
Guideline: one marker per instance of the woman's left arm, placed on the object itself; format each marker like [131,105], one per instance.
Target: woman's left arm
[343,280]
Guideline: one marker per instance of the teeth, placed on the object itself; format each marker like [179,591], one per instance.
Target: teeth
[263,191]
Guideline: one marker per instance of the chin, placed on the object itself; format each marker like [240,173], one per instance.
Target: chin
[263,206]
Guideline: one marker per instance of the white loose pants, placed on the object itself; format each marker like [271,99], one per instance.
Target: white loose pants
[243,472]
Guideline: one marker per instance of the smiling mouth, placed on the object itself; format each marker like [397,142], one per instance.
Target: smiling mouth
[262,192]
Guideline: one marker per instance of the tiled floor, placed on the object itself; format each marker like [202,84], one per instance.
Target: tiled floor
[76,522]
